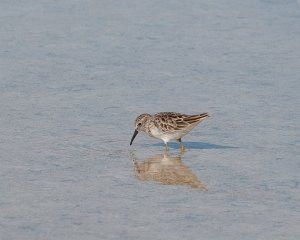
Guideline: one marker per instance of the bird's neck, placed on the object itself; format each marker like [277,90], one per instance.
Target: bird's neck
[148,125]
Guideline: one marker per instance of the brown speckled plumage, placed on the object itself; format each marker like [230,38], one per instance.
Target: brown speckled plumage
[167,125]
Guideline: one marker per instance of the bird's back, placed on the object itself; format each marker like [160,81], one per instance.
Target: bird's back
[172,125]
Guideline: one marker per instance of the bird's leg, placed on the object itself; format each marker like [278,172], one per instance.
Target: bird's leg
[182,148]
[181,145]
[167,148]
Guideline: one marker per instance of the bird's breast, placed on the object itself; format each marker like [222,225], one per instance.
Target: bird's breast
[155,132]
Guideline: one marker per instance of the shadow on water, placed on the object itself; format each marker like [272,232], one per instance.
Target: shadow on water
[194,145]
[166,169]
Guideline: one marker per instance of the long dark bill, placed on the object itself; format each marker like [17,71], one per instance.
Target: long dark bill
[134,135]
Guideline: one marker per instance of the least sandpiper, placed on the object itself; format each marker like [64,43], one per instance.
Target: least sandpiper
[167,125]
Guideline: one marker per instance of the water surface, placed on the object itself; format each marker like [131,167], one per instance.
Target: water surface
[75,74]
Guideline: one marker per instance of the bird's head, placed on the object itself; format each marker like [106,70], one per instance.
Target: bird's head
[140,124]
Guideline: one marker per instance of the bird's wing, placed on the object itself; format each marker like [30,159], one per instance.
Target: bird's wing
[169,121]
[195,118]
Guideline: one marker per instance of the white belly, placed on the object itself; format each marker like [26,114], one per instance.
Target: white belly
[166,137]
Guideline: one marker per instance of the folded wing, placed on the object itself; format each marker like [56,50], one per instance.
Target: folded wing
[170,121]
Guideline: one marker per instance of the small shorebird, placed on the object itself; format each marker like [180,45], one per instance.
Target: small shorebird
[167,125]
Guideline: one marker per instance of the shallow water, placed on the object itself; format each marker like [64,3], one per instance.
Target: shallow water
[75,74]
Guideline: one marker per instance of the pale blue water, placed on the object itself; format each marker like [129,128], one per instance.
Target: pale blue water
[75,74]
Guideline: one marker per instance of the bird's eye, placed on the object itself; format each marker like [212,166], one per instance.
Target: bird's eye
[139,124]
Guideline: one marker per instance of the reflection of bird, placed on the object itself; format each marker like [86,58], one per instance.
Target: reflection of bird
[166,170]
[167,125]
